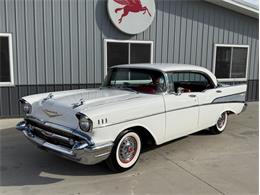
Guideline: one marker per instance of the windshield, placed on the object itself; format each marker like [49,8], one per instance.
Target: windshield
[140,80]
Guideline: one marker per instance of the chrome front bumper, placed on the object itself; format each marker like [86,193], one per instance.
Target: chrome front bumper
[84,151]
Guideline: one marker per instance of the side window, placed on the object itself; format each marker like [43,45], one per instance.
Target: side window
[189,82]
[196,77]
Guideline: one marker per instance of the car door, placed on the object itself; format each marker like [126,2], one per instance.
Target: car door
[203,86]
[181,109]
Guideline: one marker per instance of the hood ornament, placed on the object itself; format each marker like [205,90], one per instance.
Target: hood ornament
[50,95]
[51,114]
[80,103]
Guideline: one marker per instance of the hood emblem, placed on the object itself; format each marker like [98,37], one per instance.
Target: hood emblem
[51,113]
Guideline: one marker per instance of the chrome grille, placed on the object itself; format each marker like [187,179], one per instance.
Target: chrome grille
[54,136]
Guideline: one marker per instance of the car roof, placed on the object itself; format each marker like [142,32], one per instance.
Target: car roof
[165,67]
[161,67]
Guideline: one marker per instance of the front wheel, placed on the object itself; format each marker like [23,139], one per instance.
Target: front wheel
[125,152]
[221,124]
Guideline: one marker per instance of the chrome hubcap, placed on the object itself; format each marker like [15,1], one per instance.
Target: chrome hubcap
[221,121]
[127,149]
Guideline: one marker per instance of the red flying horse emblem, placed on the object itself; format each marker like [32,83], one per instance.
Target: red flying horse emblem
[131,6]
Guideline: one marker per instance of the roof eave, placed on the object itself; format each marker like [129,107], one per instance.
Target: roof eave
[236,6]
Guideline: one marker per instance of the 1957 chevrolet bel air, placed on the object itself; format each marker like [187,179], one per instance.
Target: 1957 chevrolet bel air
[135,104]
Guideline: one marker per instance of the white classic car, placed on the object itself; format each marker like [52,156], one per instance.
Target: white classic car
[136,104]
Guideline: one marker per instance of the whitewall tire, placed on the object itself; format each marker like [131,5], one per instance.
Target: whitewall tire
[125,152]
[221,124]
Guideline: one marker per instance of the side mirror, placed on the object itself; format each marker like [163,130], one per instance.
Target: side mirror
[180,90]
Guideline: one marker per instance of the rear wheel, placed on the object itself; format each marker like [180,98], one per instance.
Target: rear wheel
[221,124]
[125,152]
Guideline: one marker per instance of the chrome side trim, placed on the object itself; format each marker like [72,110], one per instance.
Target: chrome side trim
[238,97]
[107,125]
[176,109]
[226,99]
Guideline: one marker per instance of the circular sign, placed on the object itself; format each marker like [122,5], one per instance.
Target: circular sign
[131,16]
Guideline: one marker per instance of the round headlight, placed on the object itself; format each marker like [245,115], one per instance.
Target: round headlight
[27,108]
[85,124]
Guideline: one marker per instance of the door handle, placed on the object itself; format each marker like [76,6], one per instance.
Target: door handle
[192,95]
[219,91]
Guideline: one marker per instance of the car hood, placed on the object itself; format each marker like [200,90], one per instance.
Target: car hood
[62,106]
[87,99]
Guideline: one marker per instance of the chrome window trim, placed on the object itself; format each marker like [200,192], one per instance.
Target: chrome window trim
[215,101]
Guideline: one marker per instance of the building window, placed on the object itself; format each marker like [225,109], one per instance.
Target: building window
[118,52]
[231,62]
[6,60]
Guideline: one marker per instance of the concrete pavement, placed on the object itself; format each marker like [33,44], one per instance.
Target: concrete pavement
[197,164]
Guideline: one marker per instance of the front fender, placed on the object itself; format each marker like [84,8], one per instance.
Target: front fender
[155,125]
